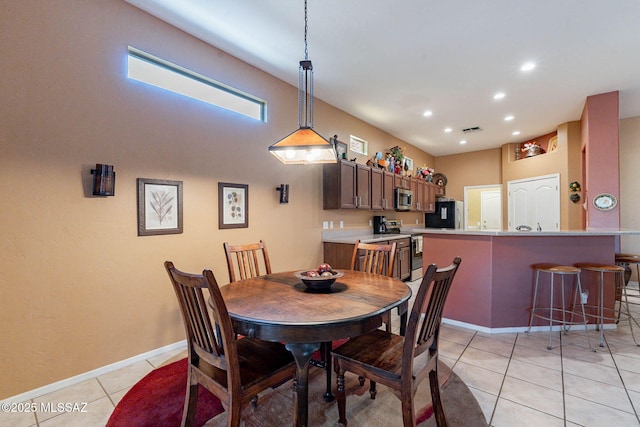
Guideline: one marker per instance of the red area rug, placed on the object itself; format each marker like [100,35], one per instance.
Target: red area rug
[157,400]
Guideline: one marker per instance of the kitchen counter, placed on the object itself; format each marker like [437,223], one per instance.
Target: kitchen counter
[493,287]
[599,232]
[365,238]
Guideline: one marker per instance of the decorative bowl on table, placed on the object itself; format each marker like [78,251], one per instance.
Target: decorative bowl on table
[319,282]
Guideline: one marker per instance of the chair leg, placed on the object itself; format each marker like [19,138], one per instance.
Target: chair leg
[372,389]
[234,412]
[408,413]
[438,410]
[190,403]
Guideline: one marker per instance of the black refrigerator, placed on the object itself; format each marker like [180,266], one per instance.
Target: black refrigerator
[448,214]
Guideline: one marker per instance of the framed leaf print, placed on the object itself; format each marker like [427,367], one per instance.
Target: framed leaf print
[233,205]
[159,207]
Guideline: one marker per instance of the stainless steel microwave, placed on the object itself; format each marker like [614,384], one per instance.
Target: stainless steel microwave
[403,199]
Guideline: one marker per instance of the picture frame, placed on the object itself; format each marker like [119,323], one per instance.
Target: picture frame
[341,149]
[233,205]
[159,207]
[408,161]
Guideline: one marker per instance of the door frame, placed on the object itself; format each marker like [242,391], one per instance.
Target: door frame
[479,187]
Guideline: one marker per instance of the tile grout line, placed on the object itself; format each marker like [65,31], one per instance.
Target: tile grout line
[504,378]
[626,390]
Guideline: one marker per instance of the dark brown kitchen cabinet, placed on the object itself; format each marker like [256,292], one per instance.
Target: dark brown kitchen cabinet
[338,255]
[402,181]
[346,185]
[402,269]
[424,195]
[382,186]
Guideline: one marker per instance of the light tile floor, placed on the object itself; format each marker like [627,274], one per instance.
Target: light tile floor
[516,380]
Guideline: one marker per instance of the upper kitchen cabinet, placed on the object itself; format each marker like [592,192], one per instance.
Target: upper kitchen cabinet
[346,185]
[381,189]
[424,194]
[402,181]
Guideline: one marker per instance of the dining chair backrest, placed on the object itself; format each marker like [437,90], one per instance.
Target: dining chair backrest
[374,258]
[423,325]
[208,327]
[216,359]
[247,261]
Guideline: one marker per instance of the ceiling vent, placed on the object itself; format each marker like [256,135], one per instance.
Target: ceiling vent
[472,129]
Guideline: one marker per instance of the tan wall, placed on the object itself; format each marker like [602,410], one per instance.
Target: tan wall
[468,169]
[629,178]
[78,288]
[565,160]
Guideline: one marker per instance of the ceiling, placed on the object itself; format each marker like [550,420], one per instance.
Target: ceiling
[388,62]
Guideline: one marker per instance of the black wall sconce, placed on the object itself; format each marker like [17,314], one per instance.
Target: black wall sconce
[284,193]
[104,180]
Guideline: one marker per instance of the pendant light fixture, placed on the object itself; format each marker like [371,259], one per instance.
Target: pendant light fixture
[305,145]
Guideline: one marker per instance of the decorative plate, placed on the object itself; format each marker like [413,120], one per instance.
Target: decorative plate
[605,201]
[440,179]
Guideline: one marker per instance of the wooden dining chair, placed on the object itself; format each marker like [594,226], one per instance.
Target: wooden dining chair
[377,259]
[398,362]
[245,261]
[233,370]
[370,258]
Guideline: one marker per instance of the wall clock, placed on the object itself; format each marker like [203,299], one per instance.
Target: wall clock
[605,201]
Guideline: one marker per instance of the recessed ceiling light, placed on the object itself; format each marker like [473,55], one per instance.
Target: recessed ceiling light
[447,130]
[508,118]
[528,66]
[428,113]
[499,95]
[515,132]
[463,142]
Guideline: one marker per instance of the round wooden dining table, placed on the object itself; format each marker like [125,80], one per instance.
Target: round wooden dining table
[279,307]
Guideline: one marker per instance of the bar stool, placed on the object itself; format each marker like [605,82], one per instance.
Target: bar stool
[551,312]
[620,294]
[625,260]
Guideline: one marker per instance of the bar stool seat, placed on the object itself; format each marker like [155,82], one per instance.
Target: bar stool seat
[605,313]
[563,315]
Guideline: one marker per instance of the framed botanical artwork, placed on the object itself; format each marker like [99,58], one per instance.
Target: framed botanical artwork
[159,207]
[233,205]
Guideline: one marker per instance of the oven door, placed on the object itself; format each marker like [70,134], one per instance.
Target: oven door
[416,256]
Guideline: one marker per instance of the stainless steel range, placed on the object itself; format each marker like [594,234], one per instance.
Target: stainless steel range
[416,256]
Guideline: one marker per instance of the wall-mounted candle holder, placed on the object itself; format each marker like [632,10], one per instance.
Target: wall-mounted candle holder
[284,193]
[104,180]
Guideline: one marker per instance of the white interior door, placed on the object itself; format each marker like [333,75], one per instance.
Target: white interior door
[535,202]
[491,210]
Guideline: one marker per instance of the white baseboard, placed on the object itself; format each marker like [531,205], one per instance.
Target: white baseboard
[519,329]
[58,385]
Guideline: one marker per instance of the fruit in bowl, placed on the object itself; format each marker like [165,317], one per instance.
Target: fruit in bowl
[322,268]
[318,281]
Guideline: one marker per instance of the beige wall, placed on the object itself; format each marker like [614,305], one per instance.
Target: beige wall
[565,160]
[629,179]
[78,288]
[468,169]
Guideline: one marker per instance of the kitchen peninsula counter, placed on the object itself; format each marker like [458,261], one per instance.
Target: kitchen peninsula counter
[493,287]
